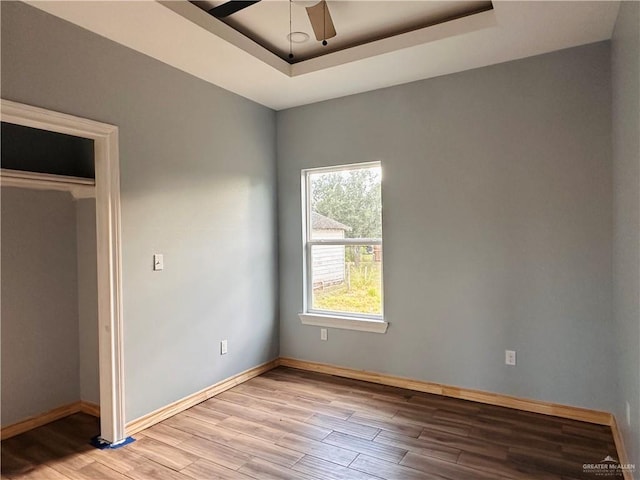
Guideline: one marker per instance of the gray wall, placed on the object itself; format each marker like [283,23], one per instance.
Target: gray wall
[497,211]
[198,185]
[497,229]
[626,168]
[40,360]
[87,300]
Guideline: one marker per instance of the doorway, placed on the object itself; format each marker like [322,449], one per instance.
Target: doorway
[107,193]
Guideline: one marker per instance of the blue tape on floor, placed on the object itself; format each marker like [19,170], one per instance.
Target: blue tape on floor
[101,444]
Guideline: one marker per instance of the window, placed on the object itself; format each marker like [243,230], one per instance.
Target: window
[342,210]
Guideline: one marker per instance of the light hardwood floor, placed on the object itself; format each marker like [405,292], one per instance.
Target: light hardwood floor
[295,425]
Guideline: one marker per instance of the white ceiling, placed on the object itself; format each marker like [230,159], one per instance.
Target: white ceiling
[182,35]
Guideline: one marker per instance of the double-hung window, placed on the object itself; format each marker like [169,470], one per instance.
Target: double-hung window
[342,232]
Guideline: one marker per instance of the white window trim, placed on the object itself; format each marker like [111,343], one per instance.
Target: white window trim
[344,323]
[323,318]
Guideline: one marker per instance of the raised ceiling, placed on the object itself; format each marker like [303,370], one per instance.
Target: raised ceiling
[182,35]
[357,22]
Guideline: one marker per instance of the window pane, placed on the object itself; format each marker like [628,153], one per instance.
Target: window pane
[346,204]
[347,278]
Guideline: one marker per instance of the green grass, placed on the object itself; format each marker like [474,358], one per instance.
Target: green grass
[362,295]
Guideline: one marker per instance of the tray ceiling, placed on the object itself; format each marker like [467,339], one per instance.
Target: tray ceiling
[184,36]
[357,22]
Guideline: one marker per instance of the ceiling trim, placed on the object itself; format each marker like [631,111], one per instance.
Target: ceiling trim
[212,25]
[431,33]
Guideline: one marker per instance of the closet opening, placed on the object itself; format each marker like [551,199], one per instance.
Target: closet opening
[61,288]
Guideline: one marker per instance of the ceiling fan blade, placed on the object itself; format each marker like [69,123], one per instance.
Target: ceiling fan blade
[321,21]
[229,8]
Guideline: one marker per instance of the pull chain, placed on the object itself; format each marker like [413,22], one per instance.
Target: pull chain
[324,22]
[290,32]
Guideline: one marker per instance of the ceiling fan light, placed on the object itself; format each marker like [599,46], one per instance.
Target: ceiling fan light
[298,37]
[306,3]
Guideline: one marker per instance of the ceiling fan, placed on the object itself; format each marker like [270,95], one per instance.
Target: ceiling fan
[318,13]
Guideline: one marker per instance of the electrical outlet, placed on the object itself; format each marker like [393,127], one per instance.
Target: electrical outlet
[628,411]
[323,334]
[223,347]
[509,357]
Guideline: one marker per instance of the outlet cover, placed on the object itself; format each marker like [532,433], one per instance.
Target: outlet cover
[223,347]
[323,334]
[509,357]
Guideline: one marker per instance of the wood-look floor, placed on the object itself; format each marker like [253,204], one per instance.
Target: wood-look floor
[295,425]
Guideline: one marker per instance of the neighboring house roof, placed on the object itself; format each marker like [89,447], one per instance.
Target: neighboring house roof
[320,222]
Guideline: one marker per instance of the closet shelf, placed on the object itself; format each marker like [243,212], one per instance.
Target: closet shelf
[76,186]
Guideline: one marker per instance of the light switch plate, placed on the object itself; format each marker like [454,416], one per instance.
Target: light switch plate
[158,262]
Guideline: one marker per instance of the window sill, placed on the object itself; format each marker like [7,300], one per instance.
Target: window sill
[345,323]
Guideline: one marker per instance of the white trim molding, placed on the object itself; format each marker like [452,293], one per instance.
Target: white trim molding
[525,404]
[107,192]
[344,323]
[189,401]
[78,187]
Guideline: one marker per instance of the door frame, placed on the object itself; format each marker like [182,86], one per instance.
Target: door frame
[109,256]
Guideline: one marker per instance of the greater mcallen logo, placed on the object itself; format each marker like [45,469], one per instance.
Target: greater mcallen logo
[608,467]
